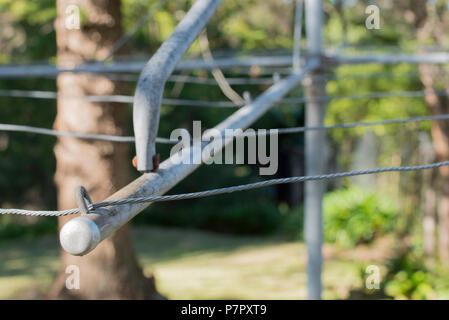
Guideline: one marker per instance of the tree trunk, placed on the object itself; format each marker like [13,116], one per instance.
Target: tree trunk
[429,222]
[430,28]
[440,135]
[111,271]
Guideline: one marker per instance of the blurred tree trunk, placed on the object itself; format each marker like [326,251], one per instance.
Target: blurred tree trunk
[111,271]
[431,29]
[428,197]
[429,222]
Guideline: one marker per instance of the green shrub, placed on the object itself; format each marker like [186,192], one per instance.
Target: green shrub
[408,278]
[354,215]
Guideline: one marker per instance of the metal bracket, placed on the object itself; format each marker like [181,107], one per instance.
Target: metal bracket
[83,200]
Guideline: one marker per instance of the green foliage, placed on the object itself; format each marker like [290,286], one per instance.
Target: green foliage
[238,218]
[355,215]
[253,24]
[27,30]
[292,222]
[344,110]
[9,228]
[408,278]
[27,162]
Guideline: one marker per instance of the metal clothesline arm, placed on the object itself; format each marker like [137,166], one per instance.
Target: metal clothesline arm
[45,70]
[150,87]
[82,234]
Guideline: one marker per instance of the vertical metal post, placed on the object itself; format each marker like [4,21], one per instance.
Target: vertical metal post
[297,36]
[315,153]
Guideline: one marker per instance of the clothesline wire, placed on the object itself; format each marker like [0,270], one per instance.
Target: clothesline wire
[128,99]
[52,95]
[36,94]
[259,77]
[84,136]
[219,191]
[112,138]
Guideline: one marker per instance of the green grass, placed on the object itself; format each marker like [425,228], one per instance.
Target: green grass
[191,264]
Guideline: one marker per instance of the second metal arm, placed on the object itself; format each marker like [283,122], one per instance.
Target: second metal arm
[150,87]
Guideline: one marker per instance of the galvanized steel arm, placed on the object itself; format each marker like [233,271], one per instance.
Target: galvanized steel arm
[150,87]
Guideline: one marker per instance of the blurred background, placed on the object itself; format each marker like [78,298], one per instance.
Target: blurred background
[249,245]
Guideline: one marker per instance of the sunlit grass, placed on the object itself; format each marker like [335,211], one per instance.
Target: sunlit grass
[190,264]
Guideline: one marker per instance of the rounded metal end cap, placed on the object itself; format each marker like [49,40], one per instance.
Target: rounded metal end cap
[79,236]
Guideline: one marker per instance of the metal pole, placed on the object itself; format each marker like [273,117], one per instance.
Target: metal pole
[297,36]
[82,234]
[315,142]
